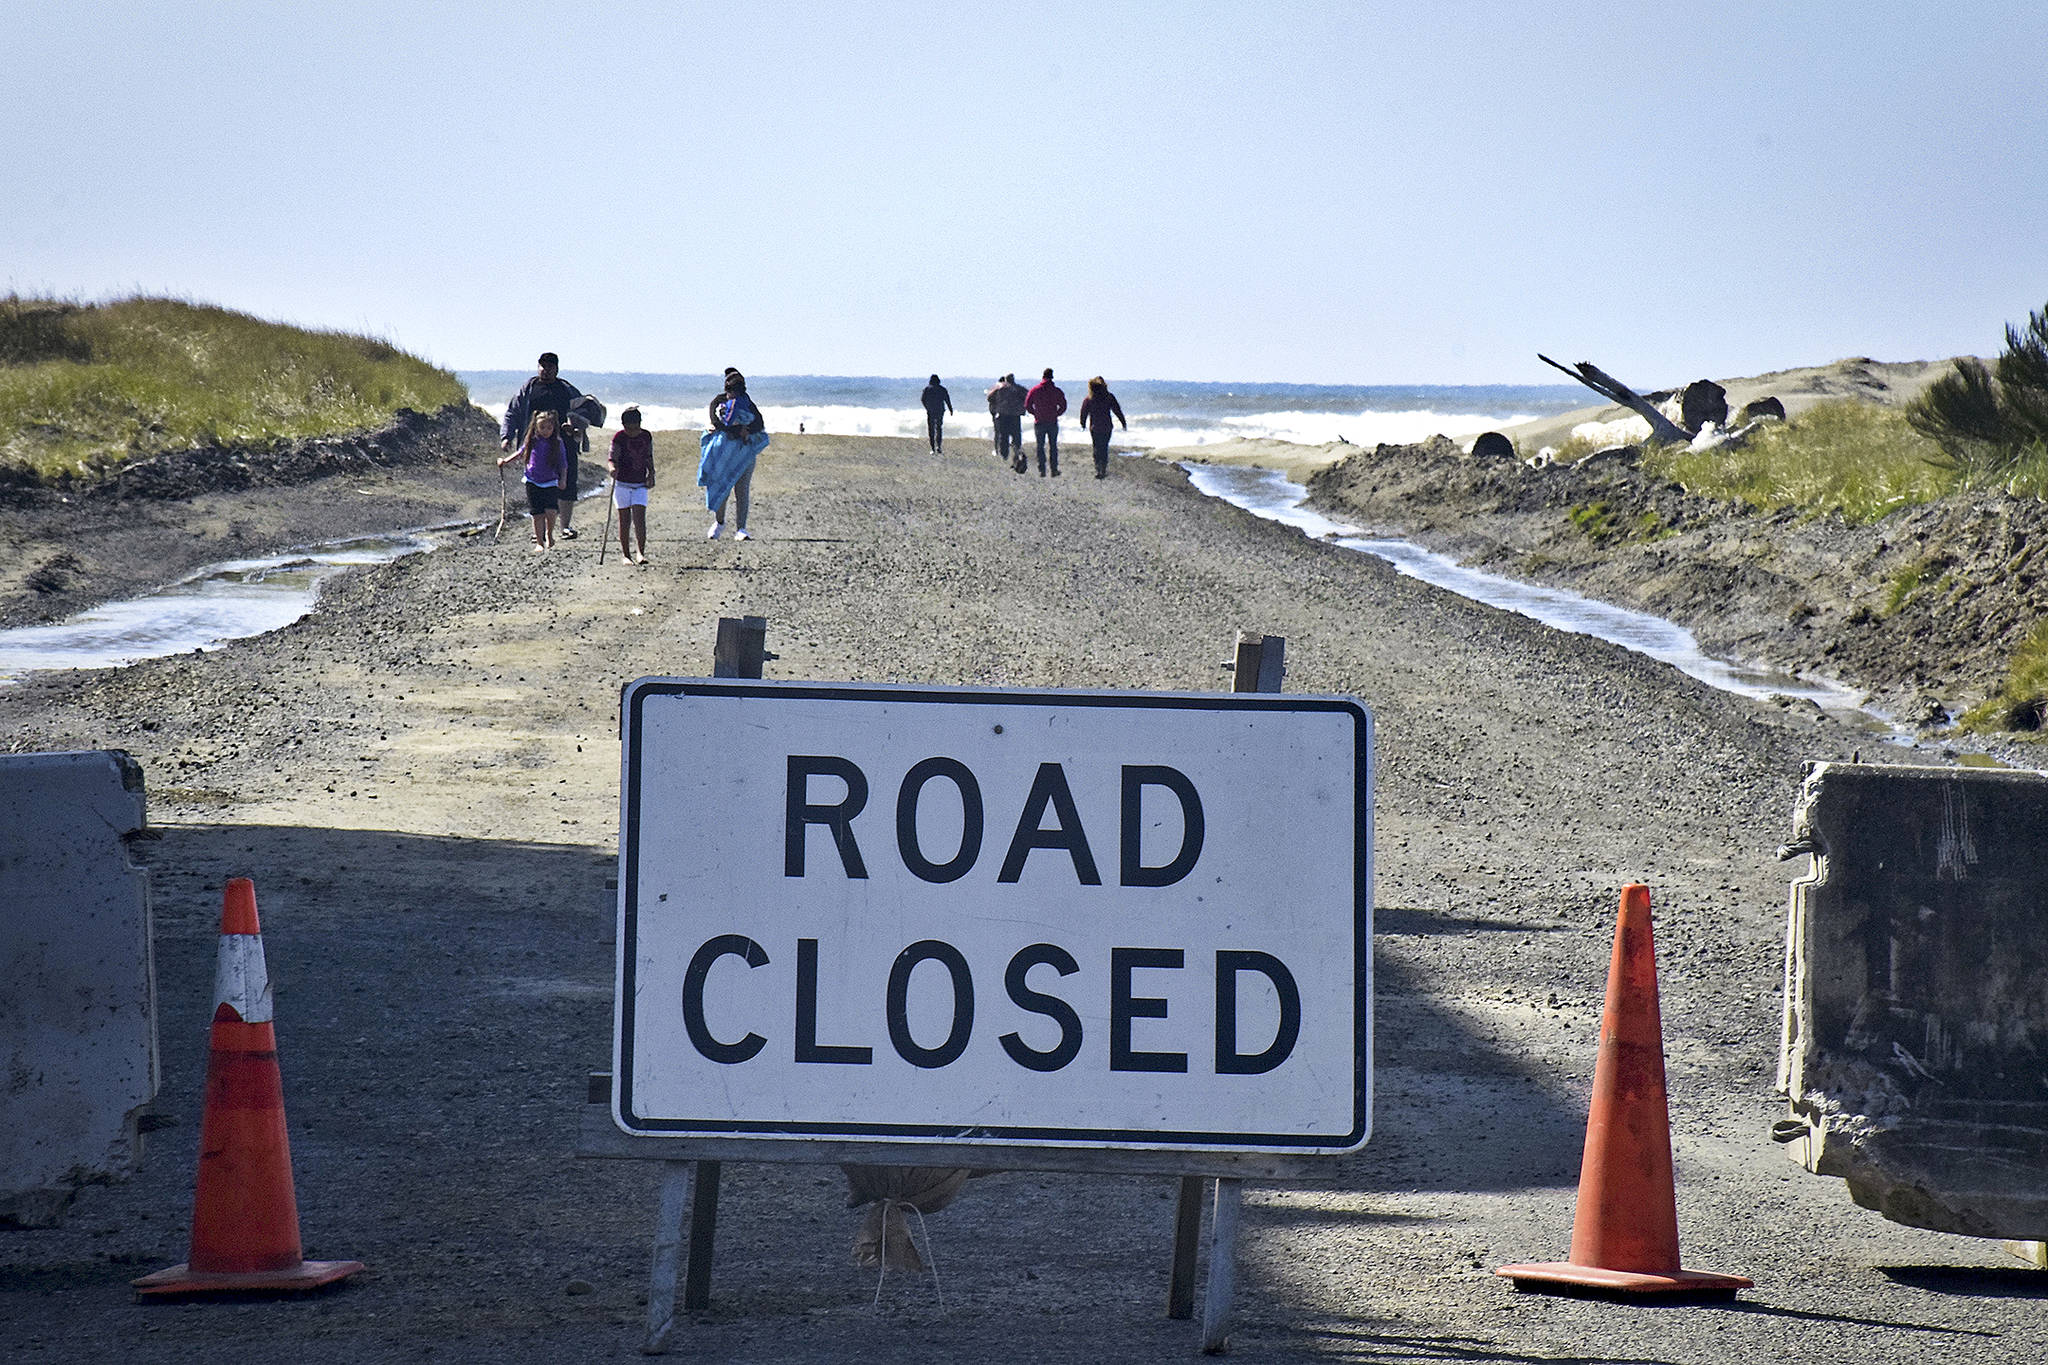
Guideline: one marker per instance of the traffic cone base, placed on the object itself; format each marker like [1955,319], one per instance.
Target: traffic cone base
[182,1279]
[1625,1233]
[1563,1277]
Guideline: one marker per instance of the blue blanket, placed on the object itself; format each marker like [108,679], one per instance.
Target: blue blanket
[724,460]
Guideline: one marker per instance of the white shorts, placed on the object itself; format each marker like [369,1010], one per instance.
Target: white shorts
[629,495]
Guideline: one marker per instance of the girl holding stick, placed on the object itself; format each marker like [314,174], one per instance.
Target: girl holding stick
[547,464]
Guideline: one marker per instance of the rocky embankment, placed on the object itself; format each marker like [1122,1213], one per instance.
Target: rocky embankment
[1922,609]
[410,438]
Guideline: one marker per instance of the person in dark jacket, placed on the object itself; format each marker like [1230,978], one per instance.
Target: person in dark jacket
[1099,410]
[547,392]
[937,403]
[1006,409]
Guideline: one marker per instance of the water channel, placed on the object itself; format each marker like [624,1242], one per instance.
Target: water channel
[1268,493]
[204,610]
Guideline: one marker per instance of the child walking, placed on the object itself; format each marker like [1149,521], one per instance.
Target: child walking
[632,467]
[547,464]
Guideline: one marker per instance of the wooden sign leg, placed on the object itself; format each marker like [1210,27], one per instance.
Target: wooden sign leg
[703,1230]
[1187,1240]
[1222,1293]
[741,648]
[1260,666]
[676,1179]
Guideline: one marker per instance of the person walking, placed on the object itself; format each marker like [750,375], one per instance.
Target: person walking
[1098,411]
[1045,403]
[547,391]
[632,470]
[545,454]
[937,403]
[1006,409]
[725,463]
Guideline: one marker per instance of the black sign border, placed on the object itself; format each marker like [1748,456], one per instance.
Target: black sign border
[632,698]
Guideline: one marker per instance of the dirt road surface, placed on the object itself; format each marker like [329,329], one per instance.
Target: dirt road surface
[422,779]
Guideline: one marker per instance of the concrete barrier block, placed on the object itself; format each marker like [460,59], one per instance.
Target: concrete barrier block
[78,1054]
[1915,1051]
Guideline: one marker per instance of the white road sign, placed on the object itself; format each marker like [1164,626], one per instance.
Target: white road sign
[983,917]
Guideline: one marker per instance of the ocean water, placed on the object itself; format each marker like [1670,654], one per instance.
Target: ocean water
[1161,413]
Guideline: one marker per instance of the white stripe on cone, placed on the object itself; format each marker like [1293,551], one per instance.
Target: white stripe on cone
[240,980]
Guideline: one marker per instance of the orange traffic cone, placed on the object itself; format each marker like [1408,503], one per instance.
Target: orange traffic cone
[1625,1233]
[245,1216]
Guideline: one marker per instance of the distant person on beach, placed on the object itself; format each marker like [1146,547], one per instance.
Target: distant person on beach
[1006,409]
[1045,403]
[632,469]
[547,462]
[725,464]
[937,403]
[1098,411]
[547,392]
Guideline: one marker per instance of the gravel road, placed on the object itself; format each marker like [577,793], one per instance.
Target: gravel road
[422,779]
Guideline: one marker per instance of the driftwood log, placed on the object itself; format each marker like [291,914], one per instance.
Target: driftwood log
[1662,428]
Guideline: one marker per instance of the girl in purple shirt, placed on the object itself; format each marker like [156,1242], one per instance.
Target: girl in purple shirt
[547,464]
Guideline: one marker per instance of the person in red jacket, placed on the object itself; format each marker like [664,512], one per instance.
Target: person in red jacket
[1045,403]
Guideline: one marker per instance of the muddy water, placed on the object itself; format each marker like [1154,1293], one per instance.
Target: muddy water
[1270,494]
[207,609]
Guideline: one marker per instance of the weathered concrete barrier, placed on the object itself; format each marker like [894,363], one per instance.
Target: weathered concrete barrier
[1916,994]
[78,1058]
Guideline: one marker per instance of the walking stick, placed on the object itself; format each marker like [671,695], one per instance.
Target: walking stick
[610,489]
[504,506]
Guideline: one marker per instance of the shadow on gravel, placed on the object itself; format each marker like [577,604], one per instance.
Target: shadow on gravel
[1999,1282]
[1396,919]
[439,1001]
[1341,1341]
[1452,1111]
[1773,1311]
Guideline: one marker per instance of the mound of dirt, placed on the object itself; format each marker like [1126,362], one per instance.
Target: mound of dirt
[1922,609]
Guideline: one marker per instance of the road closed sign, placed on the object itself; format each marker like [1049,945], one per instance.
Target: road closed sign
[971,917]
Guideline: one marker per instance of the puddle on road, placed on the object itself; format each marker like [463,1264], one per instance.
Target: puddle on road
[205,610]
[1268,493]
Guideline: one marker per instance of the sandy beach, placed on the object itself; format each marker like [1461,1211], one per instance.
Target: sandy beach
[422,778]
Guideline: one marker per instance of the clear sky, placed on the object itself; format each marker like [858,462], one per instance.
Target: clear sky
[1348,193]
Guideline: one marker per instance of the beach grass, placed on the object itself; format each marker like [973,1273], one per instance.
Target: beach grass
[86,387]
[1859,459]
[2021,702]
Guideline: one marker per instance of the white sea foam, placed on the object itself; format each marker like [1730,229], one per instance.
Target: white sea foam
[1365,428]
[1148,430]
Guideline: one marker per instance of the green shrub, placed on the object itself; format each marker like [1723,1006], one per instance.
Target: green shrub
[1601,523]
[1595,520]
[1860,459]
[85,387]
[2021,702]
[1992,424]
